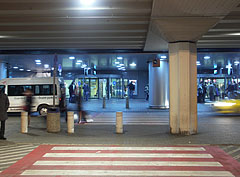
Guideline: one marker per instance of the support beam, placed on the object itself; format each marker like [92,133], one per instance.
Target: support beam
[183,88]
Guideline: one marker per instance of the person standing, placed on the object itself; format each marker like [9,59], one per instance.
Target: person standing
[28,106]
[86,91]
[4,105]
[131,89]
[146,90]
[212,91]
[71,91]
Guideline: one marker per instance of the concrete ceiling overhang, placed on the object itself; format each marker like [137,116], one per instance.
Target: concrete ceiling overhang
[67,24]
[185,20]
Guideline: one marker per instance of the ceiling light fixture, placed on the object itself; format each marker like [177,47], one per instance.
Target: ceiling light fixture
[207,57]
[87,2]
[46,66]
[15,67]
[21,69]
[38,61]
[133,64]
[117,62]
[164,57]
[119,58]
[72,58]
[28,70]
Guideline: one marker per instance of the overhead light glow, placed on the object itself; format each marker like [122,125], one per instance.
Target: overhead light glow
[84,66]
[79,61]
[164,57]
[234,34]
[15,67]
[119,58]
[28,70]
[46,66]
[72,58]
[236,62]
[87,2]
[119,66]
[38,61]
[52,68]
[21,69]
[133,64]
[207,57]
[117,62]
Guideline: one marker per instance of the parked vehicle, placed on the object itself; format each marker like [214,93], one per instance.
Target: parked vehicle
[42,89]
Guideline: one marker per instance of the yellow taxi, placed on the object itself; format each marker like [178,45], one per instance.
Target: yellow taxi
[227,106]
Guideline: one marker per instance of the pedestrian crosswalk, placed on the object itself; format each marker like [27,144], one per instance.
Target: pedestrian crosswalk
[76,160]
[10,154]
[130,119]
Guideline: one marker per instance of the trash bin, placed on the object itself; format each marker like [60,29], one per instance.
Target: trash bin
[53,120]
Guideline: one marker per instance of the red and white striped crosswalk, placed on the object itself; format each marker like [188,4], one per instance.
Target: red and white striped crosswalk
[64,160]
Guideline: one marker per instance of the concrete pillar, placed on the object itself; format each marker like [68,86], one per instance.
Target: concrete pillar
[183,88]
[3,71]
[159,85]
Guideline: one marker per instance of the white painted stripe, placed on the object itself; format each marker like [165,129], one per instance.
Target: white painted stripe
[7,159]
[126,173]
[16,155]
[12,162]
[128,163]
[16,152]
[19,150]
[130,148]
[16,147]
[128,155]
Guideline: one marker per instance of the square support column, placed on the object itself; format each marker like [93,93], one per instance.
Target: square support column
[183,88]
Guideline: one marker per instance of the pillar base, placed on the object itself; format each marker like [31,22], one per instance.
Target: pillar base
[158,107]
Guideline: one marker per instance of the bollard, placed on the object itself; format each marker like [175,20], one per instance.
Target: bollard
[104,102]
[119,122]
[127,102]
[70,122]
[53,121]
[24,122]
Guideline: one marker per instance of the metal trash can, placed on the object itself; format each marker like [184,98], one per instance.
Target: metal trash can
[53,120]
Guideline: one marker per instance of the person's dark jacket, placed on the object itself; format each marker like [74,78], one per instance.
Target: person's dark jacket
[4,105]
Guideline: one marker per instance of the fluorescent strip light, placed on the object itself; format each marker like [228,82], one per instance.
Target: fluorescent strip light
[38,61]
[72,58]
[207,57]
[119,58]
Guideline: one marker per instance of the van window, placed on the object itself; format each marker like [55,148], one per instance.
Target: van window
[18,90]
[44,90]
[2,87]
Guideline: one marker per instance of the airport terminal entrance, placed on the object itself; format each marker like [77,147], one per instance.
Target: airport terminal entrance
[102,87]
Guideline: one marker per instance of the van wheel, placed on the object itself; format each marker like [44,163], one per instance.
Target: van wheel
[43,110]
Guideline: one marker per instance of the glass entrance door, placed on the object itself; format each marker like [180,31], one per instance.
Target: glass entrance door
[103,89]
[116,88]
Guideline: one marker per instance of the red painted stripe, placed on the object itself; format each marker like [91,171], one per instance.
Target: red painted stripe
[126,159]
[138,168]
[227,161]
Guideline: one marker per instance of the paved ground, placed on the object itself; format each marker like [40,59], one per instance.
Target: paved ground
[142,127]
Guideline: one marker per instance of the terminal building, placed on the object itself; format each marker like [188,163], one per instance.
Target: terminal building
[172,46]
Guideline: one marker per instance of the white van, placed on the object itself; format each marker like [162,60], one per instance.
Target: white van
[42,89]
